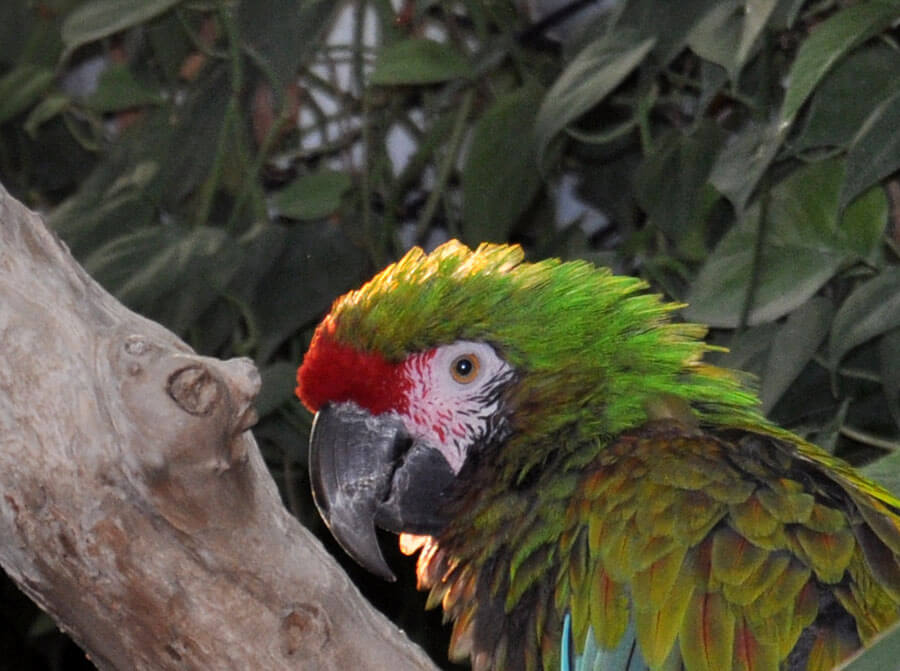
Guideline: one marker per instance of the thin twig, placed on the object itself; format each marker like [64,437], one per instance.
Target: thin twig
[538,29]
[867,438]
[447,165]
[892,189]
[849,371]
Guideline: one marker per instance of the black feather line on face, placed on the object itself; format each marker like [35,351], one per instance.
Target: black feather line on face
[493,392]
[493,428]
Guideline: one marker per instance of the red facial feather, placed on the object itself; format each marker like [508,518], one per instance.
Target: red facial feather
[333,372]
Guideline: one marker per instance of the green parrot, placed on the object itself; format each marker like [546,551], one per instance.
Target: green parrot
[583,490]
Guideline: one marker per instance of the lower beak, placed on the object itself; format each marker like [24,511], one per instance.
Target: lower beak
[366,470]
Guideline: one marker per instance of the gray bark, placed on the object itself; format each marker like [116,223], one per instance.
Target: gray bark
[134,505]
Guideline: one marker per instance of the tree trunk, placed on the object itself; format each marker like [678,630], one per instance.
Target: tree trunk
[135,506]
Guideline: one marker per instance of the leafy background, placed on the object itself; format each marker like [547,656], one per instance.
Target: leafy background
[229,167]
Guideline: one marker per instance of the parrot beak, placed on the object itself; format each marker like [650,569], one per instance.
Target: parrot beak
[367,470]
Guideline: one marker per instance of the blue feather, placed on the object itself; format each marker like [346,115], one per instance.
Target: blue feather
[565,662]
[624,657]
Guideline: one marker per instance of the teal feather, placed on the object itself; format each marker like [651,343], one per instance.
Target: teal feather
[624,657]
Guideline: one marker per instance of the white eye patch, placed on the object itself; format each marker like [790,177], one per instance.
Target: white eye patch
[452,396]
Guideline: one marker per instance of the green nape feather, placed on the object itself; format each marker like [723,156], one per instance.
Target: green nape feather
[640,497]
[586,340]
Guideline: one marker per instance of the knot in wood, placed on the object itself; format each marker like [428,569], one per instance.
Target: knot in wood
[194,389]
[137,345]
[304,628]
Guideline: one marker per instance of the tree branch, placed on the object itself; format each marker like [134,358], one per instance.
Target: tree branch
[134,505]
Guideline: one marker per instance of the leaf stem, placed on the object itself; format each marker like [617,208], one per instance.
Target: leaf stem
[195,39]
[869,438]
[756,267]
[229,121]
[447,165]
[376,251]
[849,371]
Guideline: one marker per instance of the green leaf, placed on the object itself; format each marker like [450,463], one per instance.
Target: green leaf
[96,19]
[171,274]
[829,42]
[134,181]
[588,79]
[756,15]
[786,13]
[278,382]
[146,265]
[744,160]
[748,350]
[187,146]
[795,343]
[21,88]
[871,310]
[847,95]
[500,176]
[863,223]
[118,89]
[875,151]
[886,472]
[669,183]
[419,61]
[889,365]
[236,315]
[317,264]
[16,22]
[313,196]
[51,106]
[260,248]
[789,275]
[284,34]
[669,23]
[714,37]
[96,214]
[806,243]
[726,24]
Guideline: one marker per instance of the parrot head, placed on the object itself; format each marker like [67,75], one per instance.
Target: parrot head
[449,365]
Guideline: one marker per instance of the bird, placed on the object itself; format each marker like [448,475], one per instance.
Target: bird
[584,490]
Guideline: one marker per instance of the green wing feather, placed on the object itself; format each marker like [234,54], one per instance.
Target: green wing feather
[724,549]
[709,550]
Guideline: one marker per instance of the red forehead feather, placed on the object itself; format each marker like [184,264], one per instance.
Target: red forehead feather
[334,373]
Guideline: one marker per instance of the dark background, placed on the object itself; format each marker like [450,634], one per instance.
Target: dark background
[229,168]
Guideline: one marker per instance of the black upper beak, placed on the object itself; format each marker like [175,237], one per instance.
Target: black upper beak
[367,470]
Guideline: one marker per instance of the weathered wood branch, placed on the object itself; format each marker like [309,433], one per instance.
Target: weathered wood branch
[134,505]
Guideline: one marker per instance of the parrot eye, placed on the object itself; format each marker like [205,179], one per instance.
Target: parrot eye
[464,368]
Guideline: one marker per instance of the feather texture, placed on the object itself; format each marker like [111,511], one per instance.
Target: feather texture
[697,592]
[639,513]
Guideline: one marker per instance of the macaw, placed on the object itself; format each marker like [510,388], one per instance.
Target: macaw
[584,491]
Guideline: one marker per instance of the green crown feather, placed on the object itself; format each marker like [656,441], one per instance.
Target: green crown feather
[578,336]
